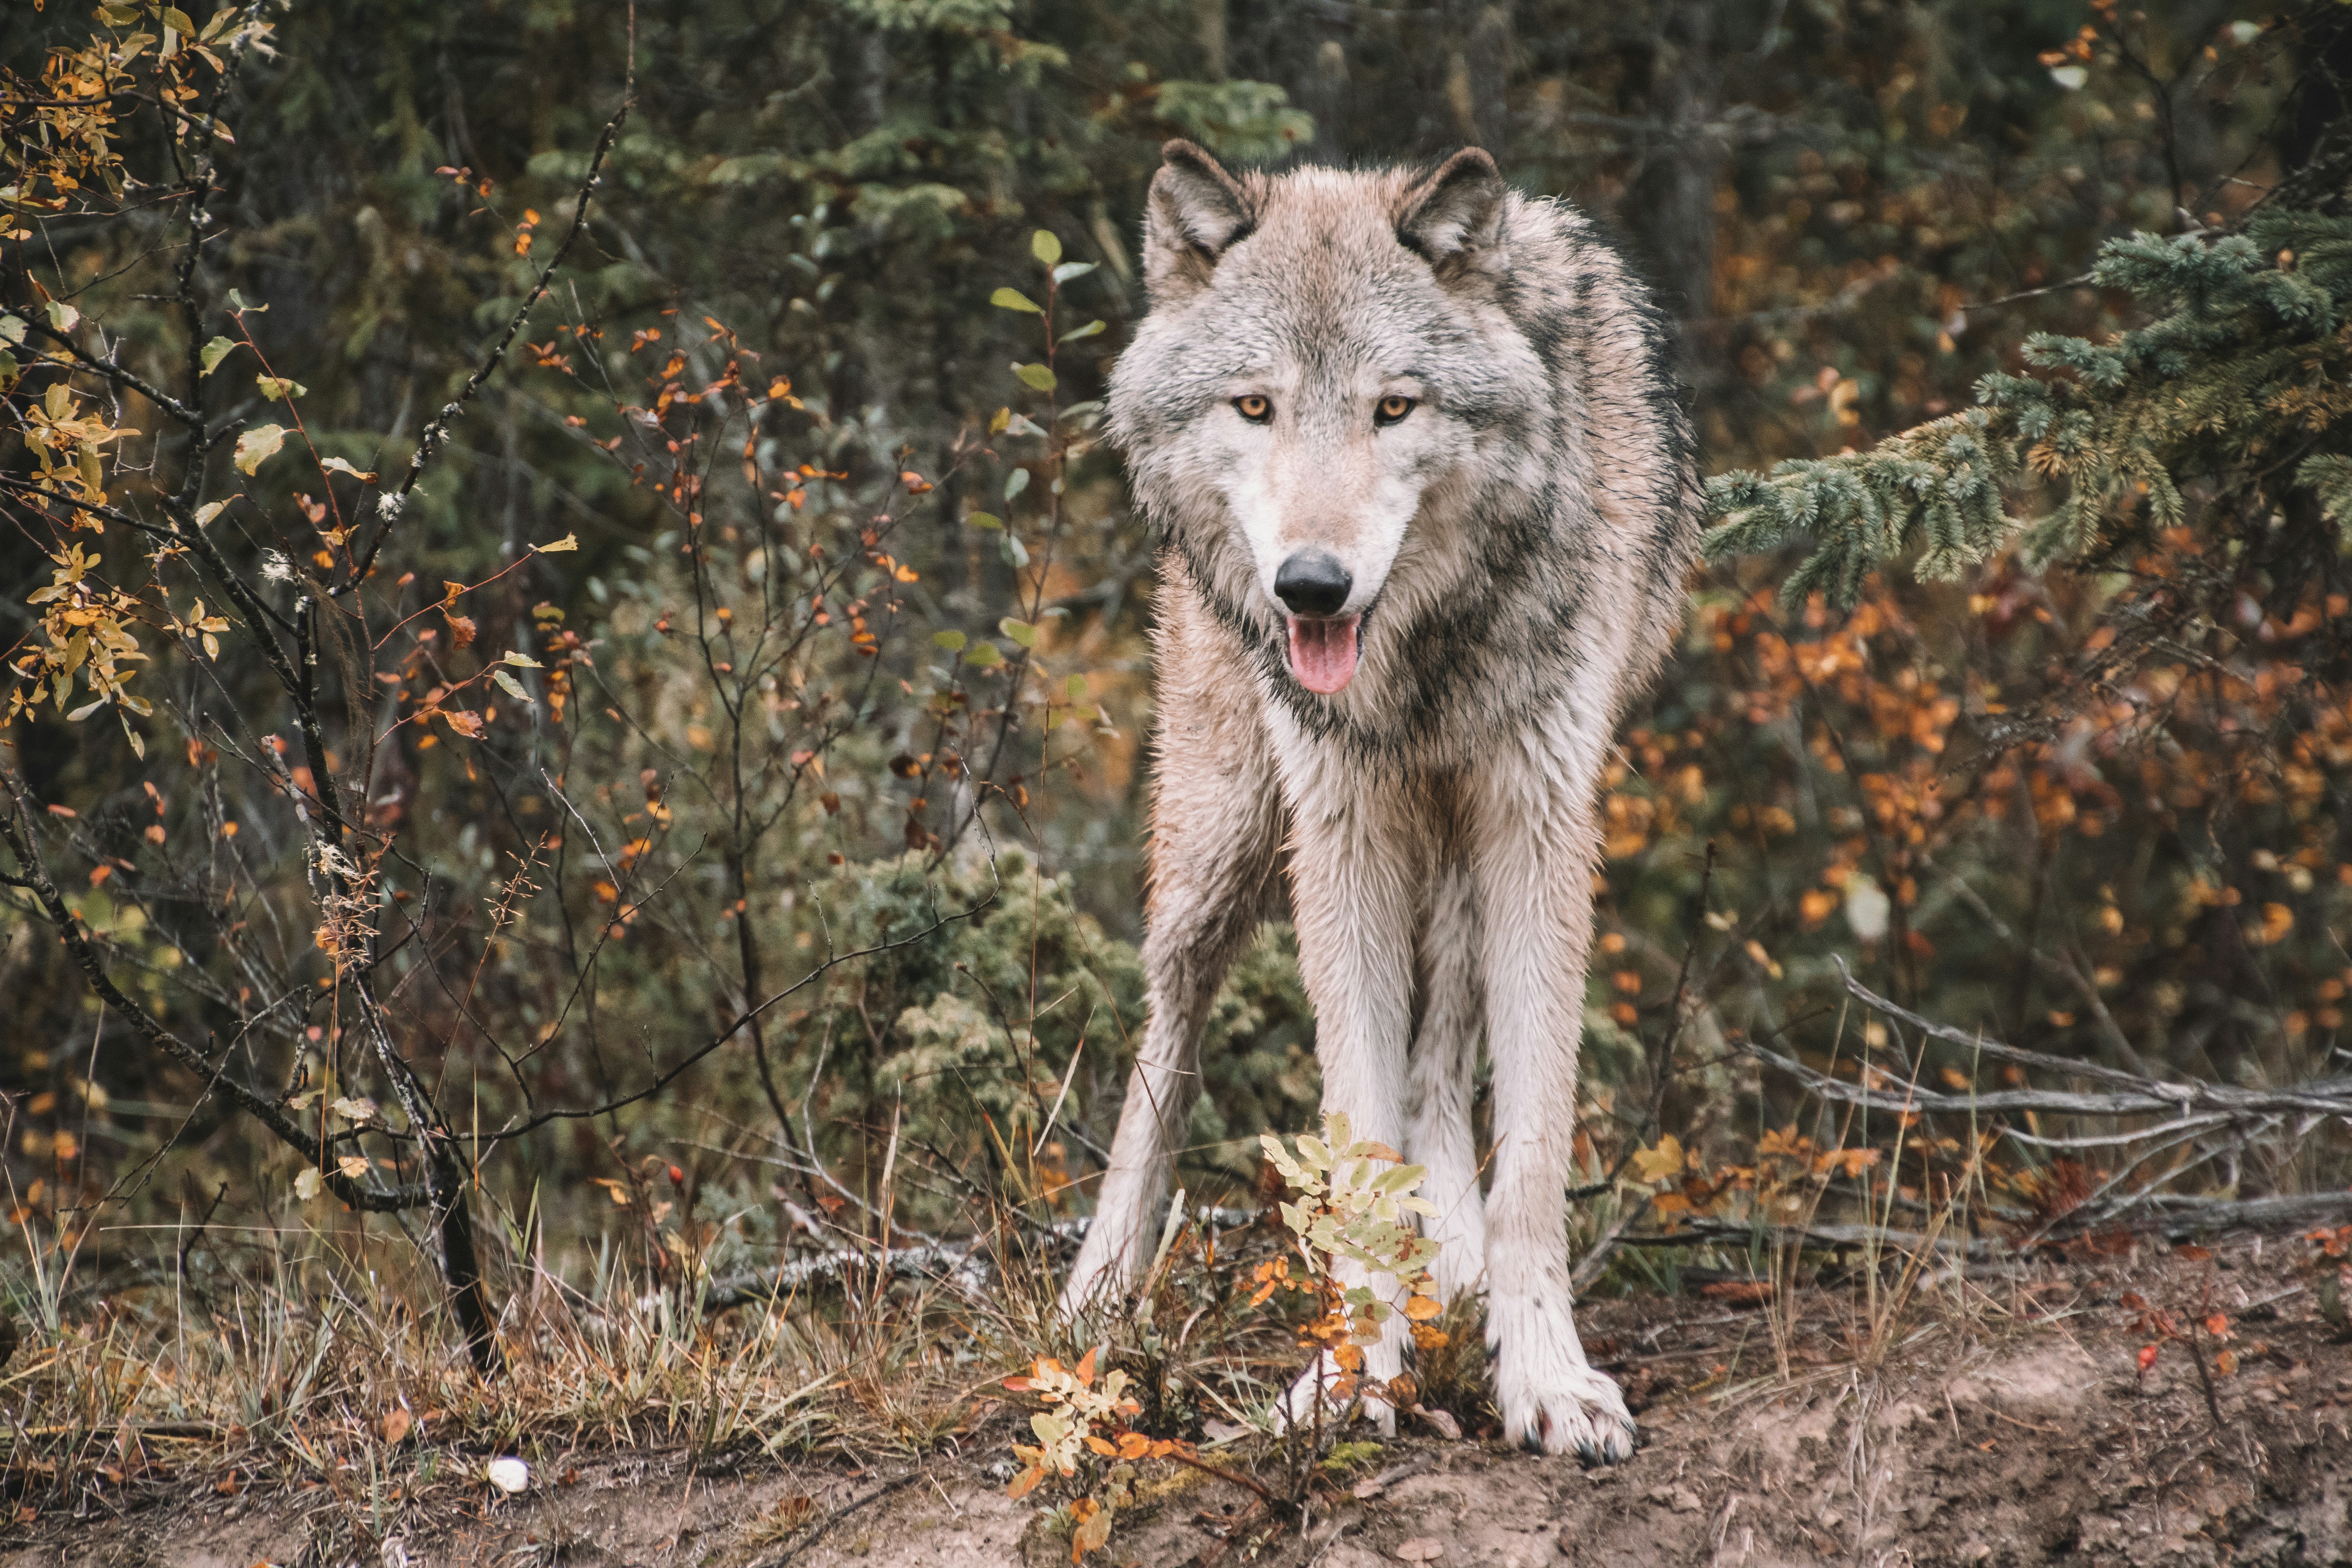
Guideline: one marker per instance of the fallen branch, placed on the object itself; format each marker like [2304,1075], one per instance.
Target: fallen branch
[1818,1238]
[2188,1103]
[2173,1217]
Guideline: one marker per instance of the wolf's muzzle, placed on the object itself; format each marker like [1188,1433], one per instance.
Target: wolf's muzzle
[1313,583]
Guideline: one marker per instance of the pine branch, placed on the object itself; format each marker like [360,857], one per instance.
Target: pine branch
[2241,336]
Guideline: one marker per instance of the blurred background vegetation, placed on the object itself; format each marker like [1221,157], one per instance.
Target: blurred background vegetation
[773,708]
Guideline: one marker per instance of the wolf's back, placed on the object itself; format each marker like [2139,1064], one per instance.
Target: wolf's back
[1612,351]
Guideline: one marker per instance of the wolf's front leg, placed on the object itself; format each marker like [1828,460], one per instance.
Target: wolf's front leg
[1536,843]
[1438,1132]
[1216,833]
[1358,857]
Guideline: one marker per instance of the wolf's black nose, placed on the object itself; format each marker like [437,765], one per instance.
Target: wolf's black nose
[1313,583]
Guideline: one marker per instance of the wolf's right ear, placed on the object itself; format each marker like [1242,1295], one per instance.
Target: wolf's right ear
[1194,213]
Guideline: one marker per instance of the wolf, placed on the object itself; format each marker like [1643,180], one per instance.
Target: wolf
[1415,449]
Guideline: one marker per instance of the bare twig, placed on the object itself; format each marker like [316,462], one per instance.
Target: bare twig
[434,434]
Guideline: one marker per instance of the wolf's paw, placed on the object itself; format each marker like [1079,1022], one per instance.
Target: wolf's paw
[1582,1413]
[1550,1399]
[1296,1407]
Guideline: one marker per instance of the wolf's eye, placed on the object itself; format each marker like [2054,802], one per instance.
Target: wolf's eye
[1254,408]
[1391,409]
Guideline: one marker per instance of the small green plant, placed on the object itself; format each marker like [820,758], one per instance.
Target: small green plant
[1353,1210]
[1345,1457]
[1355,1198]
[1082,1417]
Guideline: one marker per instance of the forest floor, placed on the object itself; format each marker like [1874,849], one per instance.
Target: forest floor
[2008,1420]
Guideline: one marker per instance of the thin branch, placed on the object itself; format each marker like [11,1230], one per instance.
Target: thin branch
[430,441]
[730,1030]
[155,394]
[18,836]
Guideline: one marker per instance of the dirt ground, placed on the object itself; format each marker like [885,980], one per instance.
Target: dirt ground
[2006,1423]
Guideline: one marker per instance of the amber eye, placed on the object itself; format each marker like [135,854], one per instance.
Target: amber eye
[1391,409]
[1254,408]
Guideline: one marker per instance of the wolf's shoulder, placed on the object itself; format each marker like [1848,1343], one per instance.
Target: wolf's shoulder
[1558,248]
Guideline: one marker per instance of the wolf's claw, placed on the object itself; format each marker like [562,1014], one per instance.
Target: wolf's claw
[1551,1400]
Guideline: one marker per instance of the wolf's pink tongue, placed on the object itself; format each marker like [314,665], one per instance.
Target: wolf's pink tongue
[1323,653]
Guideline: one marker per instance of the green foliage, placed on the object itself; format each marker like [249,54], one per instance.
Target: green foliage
[2235,368]
[1248,121]
[1257,1056]
[1938,483]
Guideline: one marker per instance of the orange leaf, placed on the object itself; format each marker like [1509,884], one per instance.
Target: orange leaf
[1105,1449]
[1026,1482]
[1093,1527]
[1085,1373]
[1017,1384]
[1421,1309]
[1133,1446]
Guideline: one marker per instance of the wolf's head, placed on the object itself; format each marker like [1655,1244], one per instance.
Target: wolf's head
[1301,407]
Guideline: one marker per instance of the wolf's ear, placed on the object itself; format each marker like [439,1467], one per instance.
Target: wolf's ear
[1454,219]
[1194,213]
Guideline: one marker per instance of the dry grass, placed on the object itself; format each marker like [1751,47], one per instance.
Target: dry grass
[318,1366]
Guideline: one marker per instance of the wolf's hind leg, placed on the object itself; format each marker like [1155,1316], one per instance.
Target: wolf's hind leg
[1438,1132]
[1217,832]
[1535,844]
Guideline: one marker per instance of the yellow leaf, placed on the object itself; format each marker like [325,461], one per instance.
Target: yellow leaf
[1665,1161]
[257,446]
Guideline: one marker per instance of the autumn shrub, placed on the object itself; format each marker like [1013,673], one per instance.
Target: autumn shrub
[680,885]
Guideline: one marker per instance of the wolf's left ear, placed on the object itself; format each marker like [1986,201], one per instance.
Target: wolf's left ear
[1194,213]
[1454,219]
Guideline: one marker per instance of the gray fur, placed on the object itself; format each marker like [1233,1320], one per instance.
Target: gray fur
[1517,543]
